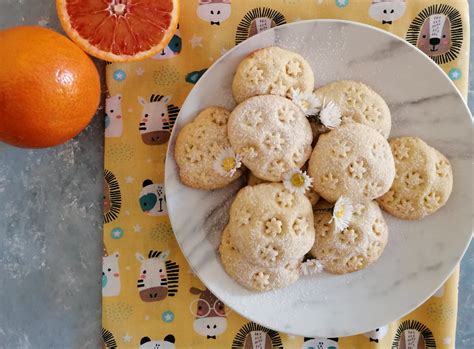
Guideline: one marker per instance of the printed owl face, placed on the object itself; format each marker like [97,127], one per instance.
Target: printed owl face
[435,35]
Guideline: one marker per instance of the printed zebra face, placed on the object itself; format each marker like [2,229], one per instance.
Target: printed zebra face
[154,123]
[152,282]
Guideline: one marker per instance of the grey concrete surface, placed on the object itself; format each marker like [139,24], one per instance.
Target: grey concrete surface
[50,231]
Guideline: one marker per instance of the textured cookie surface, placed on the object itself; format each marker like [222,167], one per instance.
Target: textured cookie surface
[271,226]
[423,180]
[310,194]
[358,103]
[271,134]
[352,160]
[355,247]
[252,276]
[197,146]
[274,71]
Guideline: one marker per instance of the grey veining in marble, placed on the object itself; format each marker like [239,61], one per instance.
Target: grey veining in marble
[57,305]
[408,272]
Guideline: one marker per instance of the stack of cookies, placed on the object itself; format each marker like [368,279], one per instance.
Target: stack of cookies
[319,164]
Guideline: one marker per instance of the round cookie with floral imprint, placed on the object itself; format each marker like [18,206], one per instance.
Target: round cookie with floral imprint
[274,71]
[271,226]
[358,103]
[252,276]
[355,247]
[200,145]
[354,161]
[423,180]
[271,134]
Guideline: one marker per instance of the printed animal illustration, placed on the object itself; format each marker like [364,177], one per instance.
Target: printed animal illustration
[435,35]
[152,199]
[254,336]
[108,340]
[256,21]
[412,334]
[112,202]
[377,334]
[211,319]
[172,49]
[387,11]
[166,343]
[320,343]
[158,276]
[437,31]
[214,11]
[194,76]
[157,120]
[113,116]
[110,275]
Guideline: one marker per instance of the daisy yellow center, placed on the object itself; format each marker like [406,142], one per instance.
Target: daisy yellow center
[228,164]
[305,104]
[297,180]
[340,212]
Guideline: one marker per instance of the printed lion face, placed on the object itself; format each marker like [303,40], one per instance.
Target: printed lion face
[437,31]
[435,35]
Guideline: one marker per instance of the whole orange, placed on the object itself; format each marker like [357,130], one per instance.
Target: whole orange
[49,88]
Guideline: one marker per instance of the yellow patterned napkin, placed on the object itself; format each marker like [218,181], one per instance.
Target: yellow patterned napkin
[139,243]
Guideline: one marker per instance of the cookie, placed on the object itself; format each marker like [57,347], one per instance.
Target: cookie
[271,134]
[273,71]
[357,246]
[254,180]
[198,145]
[423,180]
[354,161]
[310,194]
[252,276]
[358,103]
[271,226]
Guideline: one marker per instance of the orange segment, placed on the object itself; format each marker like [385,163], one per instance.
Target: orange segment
[119,30]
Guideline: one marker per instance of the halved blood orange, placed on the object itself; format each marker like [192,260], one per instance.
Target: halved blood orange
[119,30]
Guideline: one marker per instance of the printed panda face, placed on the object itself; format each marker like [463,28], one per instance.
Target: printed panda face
[166,343]
[152,199]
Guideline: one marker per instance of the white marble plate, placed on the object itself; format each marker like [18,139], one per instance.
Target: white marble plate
[419,256]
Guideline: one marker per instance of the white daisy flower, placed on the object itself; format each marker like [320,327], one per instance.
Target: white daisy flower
[308,102]
[342,213]
[227,162]
[330,115]
[297,181]
[311,266]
